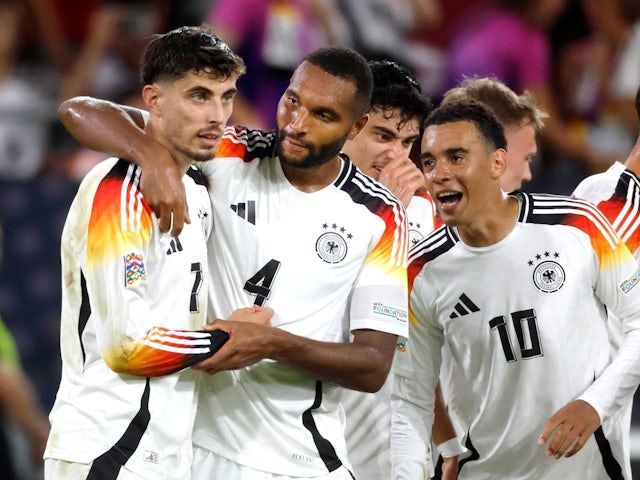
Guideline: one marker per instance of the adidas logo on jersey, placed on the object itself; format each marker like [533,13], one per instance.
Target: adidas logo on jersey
[174,246]
[464,307]
[246,210]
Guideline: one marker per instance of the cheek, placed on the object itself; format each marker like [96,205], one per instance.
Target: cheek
[283,116]
[228,110]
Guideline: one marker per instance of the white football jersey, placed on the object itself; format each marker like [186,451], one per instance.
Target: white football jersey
[328,263]
[130,295]
[526,321]
[616,193]
[368,415]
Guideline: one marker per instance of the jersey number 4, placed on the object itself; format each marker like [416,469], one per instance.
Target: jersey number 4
[525,324]
[260,284]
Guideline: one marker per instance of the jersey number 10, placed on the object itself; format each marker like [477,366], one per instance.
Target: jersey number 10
[525,324]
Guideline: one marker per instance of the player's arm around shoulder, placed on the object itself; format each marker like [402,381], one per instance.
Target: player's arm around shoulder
[119,131]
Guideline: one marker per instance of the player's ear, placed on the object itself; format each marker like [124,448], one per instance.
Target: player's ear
[498,162]
[151,95]
[359,125]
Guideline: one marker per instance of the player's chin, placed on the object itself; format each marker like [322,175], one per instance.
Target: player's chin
[203,154]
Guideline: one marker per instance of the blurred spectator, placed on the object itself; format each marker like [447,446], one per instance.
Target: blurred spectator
[25,112]
[108,41]
[599,75]
[20,414]
[61,27]
[508,39]
[272,36]
[107,63]
[383,30]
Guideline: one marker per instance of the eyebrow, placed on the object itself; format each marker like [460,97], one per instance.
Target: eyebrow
[386,130]
[447,152]
[320,109]
[394,133]
[208,91]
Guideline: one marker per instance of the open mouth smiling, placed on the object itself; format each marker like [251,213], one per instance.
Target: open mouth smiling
[449,198]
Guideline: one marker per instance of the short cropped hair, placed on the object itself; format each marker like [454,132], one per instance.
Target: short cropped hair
[188,49]
[481,116]
[510,108]
[395,88]
[349,65]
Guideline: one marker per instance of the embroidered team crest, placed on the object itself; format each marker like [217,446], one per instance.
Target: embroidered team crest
[548,275]
[414,234]
[414,237]
[134,270]
[331,245]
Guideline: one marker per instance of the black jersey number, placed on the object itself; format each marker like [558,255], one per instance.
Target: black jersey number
[196,269]
[525,324]
[260,284]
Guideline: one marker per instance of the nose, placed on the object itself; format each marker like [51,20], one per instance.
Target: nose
[526,173]
[297,122]
[396,150]
[216,112]
[439,173]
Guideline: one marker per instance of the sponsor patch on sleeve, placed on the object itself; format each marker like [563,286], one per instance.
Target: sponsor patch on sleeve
[134,270]
[629,283]
[400,314]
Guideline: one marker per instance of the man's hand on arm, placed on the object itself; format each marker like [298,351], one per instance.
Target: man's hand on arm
[403,178]
[573,425]
[360,365]
[161,185]
[119,131]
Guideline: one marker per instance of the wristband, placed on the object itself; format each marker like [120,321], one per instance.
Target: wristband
[451,448]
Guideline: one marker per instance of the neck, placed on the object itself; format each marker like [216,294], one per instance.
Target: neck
[315,178]
[493,225]
[633,160]
[182,161]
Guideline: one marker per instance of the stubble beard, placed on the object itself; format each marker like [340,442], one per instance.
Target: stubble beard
[316,156]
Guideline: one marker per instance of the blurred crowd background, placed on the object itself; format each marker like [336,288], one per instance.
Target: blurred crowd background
[579,58]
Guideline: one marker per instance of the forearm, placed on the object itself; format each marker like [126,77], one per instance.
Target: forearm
[361,365]
[162,351]
[411,422]
[442,427]
[107,127]
[619,380]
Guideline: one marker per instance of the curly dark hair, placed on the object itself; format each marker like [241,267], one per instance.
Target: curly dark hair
[188,49]
[394,88]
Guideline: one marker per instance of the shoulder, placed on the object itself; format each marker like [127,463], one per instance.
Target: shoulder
[111,171]
[248,144]
[365,190]
[567,211]
[196,175]
[430,248]
[616,180]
